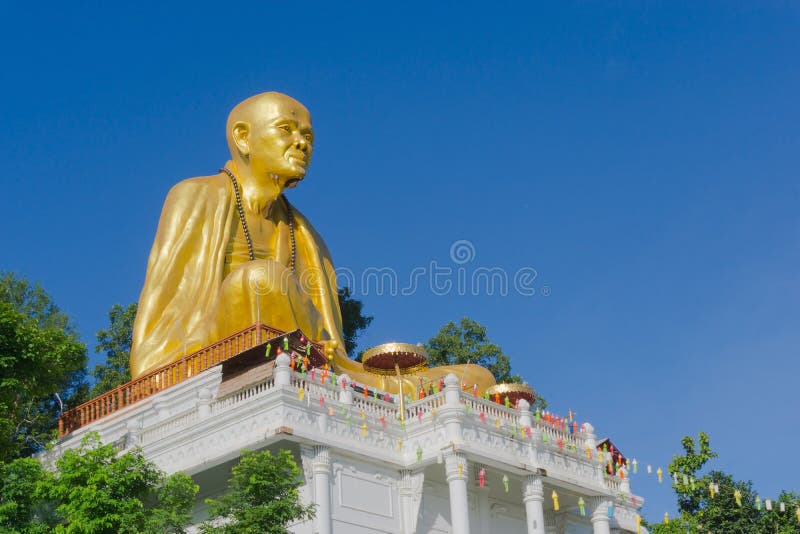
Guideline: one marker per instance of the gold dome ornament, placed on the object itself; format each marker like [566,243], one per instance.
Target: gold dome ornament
[396,359]
[513,392]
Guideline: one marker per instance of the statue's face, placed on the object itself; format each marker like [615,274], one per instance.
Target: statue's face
[281,140]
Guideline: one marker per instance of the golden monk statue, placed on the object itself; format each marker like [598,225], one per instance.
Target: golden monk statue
[231,251]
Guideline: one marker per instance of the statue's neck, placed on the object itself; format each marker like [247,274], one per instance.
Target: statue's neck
[258,193]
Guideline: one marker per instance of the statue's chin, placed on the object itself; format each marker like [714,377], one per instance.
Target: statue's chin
[292,182]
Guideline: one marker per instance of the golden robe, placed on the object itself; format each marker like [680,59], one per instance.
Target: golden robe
[181,306]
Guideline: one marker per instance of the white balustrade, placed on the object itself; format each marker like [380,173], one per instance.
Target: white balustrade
[167,427]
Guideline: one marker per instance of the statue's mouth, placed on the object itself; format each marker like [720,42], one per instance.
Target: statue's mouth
[298,158]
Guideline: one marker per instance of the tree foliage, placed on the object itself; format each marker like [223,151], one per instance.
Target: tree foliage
[353,319]
[33,301]
[20,508]
[721,514]
[40,357]
[116,343]
[97,490]
[467,342]
[262,496]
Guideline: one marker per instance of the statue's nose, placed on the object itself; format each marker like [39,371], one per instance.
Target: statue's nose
[301,143]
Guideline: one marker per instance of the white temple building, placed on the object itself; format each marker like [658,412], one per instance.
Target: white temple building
[457,463]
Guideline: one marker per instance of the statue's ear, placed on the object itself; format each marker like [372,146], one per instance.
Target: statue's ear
[239,134]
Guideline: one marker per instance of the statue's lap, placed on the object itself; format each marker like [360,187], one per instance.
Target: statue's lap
[261,289]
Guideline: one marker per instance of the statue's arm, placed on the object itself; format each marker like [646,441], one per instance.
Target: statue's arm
[177,288]
[324,291]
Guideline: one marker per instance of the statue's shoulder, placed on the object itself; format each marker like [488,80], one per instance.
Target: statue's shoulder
[301,219]
[203,193]
[201,184]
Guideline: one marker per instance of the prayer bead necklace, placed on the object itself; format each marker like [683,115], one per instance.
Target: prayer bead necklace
[289,214]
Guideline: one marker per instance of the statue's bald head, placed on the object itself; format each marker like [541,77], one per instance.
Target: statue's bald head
[263,107]
[271,132]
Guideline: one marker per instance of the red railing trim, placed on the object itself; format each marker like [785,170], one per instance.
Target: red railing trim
[164,377]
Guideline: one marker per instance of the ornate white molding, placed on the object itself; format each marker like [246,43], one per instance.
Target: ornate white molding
[599,506]
[410,492]
[456,467]
[534,488]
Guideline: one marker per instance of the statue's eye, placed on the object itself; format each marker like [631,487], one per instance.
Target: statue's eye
[286,128]
[309,137]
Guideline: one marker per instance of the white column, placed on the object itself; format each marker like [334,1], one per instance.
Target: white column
[282,372]
[452,411]
[525,418]
[456,469]
[203,403]
[321,466]
[600,522]
[410,490]
[533,497]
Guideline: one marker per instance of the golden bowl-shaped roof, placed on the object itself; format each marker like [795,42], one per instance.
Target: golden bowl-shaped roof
[514,392]
[386,359]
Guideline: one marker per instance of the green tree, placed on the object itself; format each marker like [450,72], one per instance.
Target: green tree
[37,363]
[467,342]
[353,319]
[42,366]
[116,343]
[786,522]
[97,490]
[20,509]
[722,513]
[33,301]
[262,496]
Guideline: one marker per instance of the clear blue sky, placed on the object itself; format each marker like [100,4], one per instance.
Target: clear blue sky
[643,159]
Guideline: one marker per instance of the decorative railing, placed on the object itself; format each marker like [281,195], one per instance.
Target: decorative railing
[169,426]
[491,410]
[417,410]
[164,377]
[314,389]
[252,391]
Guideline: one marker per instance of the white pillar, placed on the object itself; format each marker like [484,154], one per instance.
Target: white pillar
[525,419]
[600,521]
[456,469]
[533,497]
[321,465]
[452,411]
[203,403]
[410,491]
[282,372]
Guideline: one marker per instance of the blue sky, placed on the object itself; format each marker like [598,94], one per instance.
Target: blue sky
[642,158]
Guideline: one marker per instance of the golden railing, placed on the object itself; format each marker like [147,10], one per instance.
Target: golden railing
[165,377]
